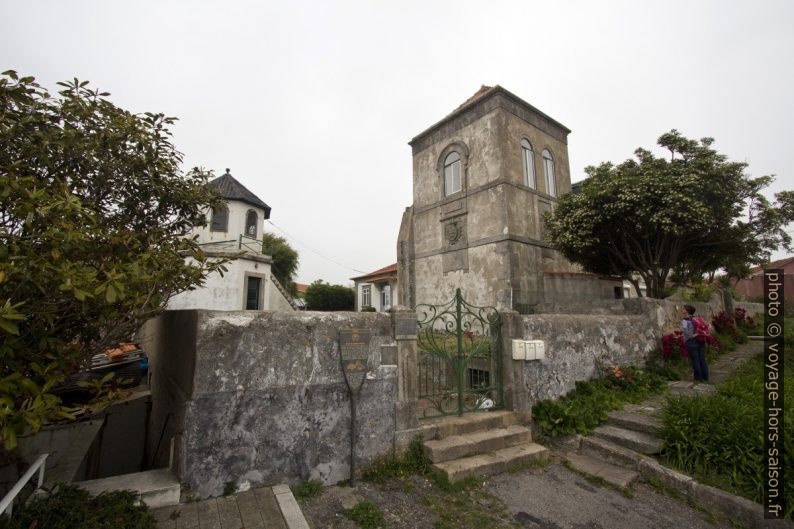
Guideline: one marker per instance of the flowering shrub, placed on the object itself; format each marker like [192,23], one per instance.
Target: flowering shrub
[672,343]
[743,321]
[724,324]
[620,378]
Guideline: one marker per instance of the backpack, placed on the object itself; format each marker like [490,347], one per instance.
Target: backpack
[701,328]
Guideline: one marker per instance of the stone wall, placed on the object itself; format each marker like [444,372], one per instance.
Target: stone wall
[260,397]
[576,346]
[582,338]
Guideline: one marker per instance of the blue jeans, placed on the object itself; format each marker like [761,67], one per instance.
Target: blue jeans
[697,353]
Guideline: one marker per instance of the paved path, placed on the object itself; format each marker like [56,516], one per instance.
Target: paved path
[262,508]
[559,499]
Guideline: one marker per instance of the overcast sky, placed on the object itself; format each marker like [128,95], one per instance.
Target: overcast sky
[311,104]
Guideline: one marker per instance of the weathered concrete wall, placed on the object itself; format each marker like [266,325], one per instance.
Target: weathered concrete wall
[663,314]
[170,342]
[267,400]
[577,346]
[228,292]
[583,338]
[275,298]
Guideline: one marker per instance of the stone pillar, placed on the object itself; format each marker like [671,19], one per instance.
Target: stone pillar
[516,390]
[727,301]
[405,329]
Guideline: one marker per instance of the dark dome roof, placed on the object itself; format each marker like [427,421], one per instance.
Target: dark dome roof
[231,189]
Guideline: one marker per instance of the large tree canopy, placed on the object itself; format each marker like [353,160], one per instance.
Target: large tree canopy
[93,216]
[694,212]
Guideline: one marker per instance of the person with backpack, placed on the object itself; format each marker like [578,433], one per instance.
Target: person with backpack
[695,331]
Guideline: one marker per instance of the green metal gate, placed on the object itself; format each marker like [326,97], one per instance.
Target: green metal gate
[460,361]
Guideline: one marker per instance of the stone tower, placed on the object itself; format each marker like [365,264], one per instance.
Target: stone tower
[482,179]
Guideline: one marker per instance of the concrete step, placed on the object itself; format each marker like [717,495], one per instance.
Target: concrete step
[457,446]
[648,407]
[614,475]
[473,422]
[604,450]
[634,421]
[492,462]
[638,441]
[156,488]
[687,388]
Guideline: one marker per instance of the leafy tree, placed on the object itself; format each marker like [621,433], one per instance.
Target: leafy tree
[285,260]
[691,214]
[93,214]
[322,296]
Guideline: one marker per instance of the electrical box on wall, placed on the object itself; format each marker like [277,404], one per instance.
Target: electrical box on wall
[529,349]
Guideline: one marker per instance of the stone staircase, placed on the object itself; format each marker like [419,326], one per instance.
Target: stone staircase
[480,444]
[614,451]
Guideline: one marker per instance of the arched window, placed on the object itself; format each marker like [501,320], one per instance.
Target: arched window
[250,223]
[528,156]
[548,167]
[452,181]
[220,219]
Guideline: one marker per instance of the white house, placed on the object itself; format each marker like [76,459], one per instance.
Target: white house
[377,289]
[234,231]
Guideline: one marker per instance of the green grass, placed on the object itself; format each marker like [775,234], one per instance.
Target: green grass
[307,489]
[718,439]
[399,464]
[367,515]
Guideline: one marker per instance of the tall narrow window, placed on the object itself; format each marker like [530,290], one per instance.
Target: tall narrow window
[452,182]
[385,298]
[220,219]
[548,166]
[528,156]
[252,293]
[250,223]
[365,296]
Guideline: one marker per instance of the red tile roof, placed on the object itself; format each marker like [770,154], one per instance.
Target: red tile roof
[484,89]
[300,287]
[780,263]
[387,272]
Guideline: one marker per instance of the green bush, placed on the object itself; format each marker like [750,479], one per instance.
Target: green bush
[322,296]
[71,507]
[368,309]
[586,407]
